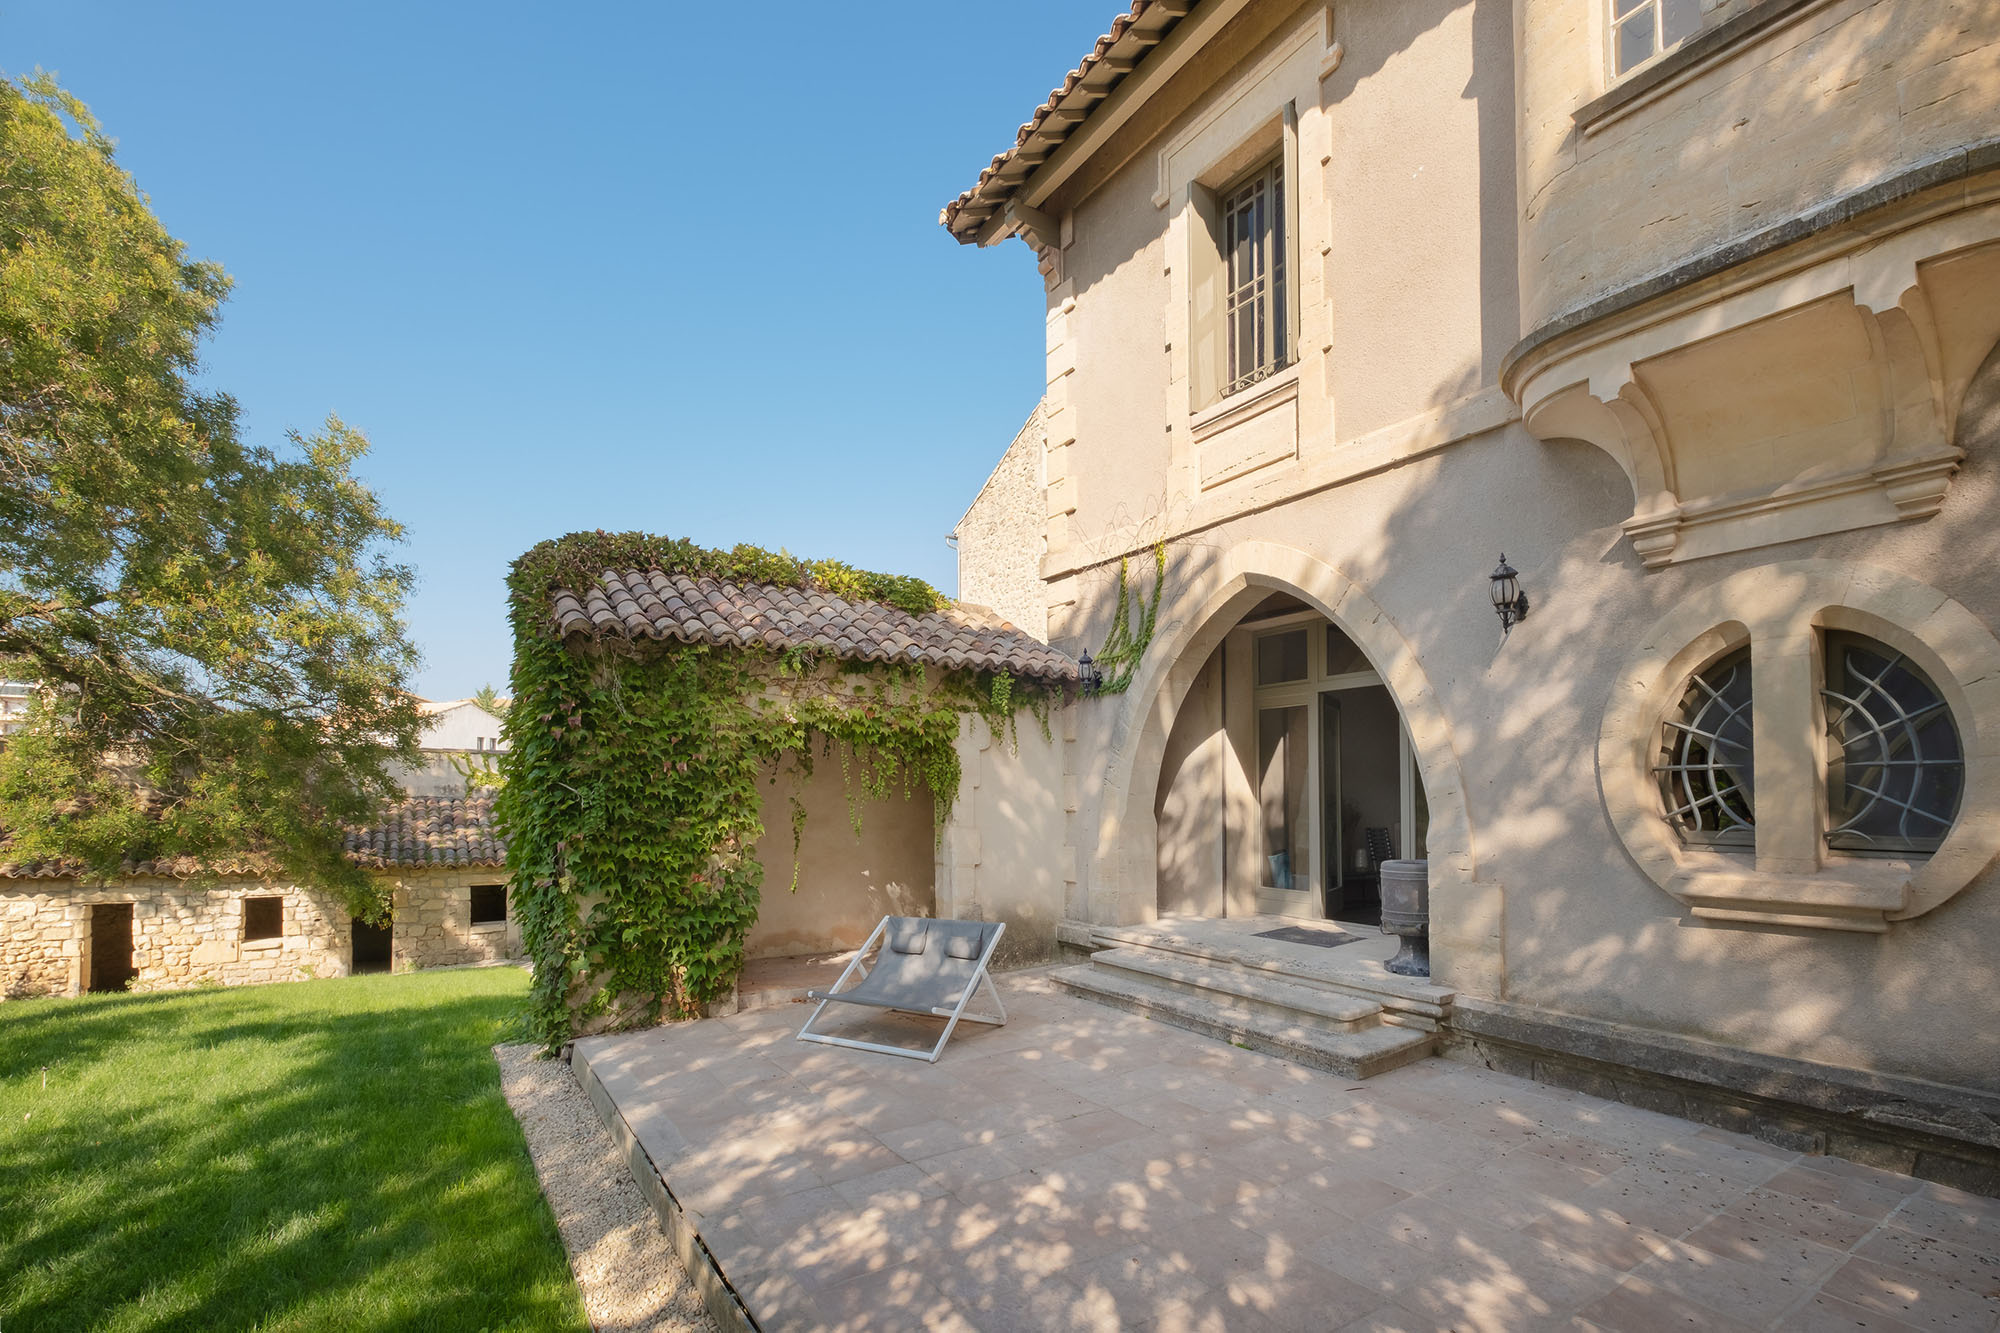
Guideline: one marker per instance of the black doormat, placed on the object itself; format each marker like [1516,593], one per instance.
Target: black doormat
[1325,939]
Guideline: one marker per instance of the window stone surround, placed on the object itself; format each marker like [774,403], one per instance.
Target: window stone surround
[1793,880]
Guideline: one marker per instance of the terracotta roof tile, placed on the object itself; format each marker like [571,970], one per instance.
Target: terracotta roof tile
[1139,30]
[636,604]
[416,832]
[431,831]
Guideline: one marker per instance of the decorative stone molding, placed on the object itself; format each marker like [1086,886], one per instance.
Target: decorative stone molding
[1780,610]
[1809,390]
[1255,429]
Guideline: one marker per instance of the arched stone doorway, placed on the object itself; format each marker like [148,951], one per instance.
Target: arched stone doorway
[1209,592]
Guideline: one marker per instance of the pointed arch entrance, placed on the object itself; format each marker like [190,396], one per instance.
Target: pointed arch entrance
[1209,592]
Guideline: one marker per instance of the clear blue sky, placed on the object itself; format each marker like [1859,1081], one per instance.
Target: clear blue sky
[666,267]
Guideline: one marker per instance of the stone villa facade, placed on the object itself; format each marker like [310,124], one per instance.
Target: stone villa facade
[1690,310]
[169,926]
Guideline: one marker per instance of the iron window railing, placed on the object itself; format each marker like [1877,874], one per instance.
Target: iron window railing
[1706,770]
[1895,764]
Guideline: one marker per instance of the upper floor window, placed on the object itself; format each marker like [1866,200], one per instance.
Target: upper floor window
[1253,232]
[1643,29]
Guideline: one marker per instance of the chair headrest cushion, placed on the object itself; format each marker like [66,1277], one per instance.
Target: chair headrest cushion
[908,934]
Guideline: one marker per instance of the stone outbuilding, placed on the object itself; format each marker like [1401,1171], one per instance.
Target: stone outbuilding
[169,925]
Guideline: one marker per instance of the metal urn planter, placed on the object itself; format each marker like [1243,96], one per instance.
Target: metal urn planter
[1406,911]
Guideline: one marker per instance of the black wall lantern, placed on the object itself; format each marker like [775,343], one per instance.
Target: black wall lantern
[1088,676]
[1508,599]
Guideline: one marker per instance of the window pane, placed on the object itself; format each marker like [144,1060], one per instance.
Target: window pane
[1254,311]
[1343,656]
[1281,657]
[1281,793]
[1624,7]
[1705,769]
[1679,20]
[1895,765]
[1635,41]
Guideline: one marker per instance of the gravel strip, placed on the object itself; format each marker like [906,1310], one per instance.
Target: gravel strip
[630,1279]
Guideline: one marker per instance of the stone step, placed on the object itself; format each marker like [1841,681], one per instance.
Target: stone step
[1370,1051]
[1243,992]
[1411,1001]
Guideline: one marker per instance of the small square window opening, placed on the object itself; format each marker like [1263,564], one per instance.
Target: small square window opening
[489,904]
[263,918]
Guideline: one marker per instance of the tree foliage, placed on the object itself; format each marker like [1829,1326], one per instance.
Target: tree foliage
[216,625]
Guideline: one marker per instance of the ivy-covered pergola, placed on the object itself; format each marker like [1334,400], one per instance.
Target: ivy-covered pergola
[654,683]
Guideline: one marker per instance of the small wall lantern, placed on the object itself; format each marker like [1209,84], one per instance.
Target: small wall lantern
[1088,676]
[1508,599]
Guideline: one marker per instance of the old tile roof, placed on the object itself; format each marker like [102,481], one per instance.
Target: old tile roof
[431,831]
[650,604]
[417,832]
[1110,59]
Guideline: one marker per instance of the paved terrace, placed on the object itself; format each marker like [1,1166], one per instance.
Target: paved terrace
[1084,1169]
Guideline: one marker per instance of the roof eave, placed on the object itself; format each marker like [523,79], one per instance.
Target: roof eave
[1097,98]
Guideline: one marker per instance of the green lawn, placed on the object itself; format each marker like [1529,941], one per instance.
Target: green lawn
[318,1155]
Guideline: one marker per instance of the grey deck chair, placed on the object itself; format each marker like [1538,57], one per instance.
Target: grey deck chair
[922,967]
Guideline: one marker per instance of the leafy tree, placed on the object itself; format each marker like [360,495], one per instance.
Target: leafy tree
[216,625]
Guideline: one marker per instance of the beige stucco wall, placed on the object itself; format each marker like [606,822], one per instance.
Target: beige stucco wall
[1003,853]
[847,881]
[1406,245]
[1189,800]
[1579,927]
[1835,98]
[1000,538]
[187,933]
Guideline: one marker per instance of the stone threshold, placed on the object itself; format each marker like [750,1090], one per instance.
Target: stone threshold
[1932,1131]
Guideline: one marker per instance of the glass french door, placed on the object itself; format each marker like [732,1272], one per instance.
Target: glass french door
[1287,875]
[1338,788]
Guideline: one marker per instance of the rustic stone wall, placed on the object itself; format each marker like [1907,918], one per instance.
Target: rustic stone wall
[1000,539]
[433,921]
[38,945]
[187,933]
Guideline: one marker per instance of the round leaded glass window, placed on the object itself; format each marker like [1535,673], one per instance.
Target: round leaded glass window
[1704,768]
[1895,766]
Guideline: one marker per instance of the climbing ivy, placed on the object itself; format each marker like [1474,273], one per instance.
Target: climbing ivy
[1128,640]
[632,806]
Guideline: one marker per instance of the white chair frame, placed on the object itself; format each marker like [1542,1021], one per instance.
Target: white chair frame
[952,1015]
